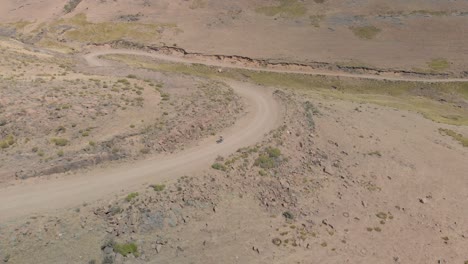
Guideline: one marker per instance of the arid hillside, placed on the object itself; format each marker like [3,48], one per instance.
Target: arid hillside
[215,131]
[416,35]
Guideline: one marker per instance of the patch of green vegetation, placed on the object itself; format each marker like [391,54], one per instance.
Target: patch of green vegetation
[126,249]
[268,159]
[71,5]
[61,142]
[7,142]
[310,110]
[396,94]
[103,32]
[158,187]
[429,12]
[285,8]
[438,64]
[273,152]
[131,196]
[219,166]
[456,136]
[365,32]
[60,153]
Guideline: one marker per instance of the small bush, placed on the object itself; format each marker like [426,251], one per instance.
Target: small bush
[60,153]
[92,143]
[288,215]
[131,196]
[7,142]
[165,96]
[71,5]
[366,32]
[219,166]
[273,152]
[265,162]
[158,187]
[126,249]
[61,142]
[131,76]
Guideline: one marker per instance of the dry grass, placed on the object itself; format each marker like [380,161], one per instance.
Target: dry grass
[397,94]
[285,8]
[365,32]
[456,136]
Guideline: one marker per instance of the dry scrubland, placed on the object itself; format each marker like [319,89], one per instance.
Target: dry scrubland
[56,120]
[358,171]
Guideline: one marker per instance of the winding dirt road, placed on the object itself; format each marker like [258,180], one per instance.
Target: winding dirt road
[44,195]
[93,59]
[263,115]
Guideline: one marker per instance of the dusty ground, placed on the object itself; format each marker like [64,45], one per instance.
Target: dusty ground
[412,35]
[60,120]
[109,156]
[353,183]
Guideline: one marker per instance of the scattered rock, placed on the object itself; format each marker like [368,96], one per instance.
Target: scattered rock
[158,248]
[328,169]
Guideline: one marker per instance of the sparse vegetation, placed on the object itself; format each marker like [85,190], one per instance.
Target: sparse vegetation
[131,196]
[285,8]
[268,159]
[456,136]
[365,32]
[126,249]
[7,142]
[61,142]
[71,5]
[438,64]
[158,187]
[288,215]
[85,31]
[219,166]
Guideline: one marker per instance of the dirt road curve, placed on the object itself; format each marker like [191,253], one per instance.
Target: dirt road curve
[92,59]
[42,195]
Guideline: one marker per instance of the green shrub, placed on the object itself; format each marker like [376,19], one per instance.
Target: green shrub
[219,166]
[7,142]
[131,76]
[131,196]
[61,142]
[71,5]
[264,161]
[165,96]
[60,153]
[288,215]
[158,187]
[273,152]
[126,249]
